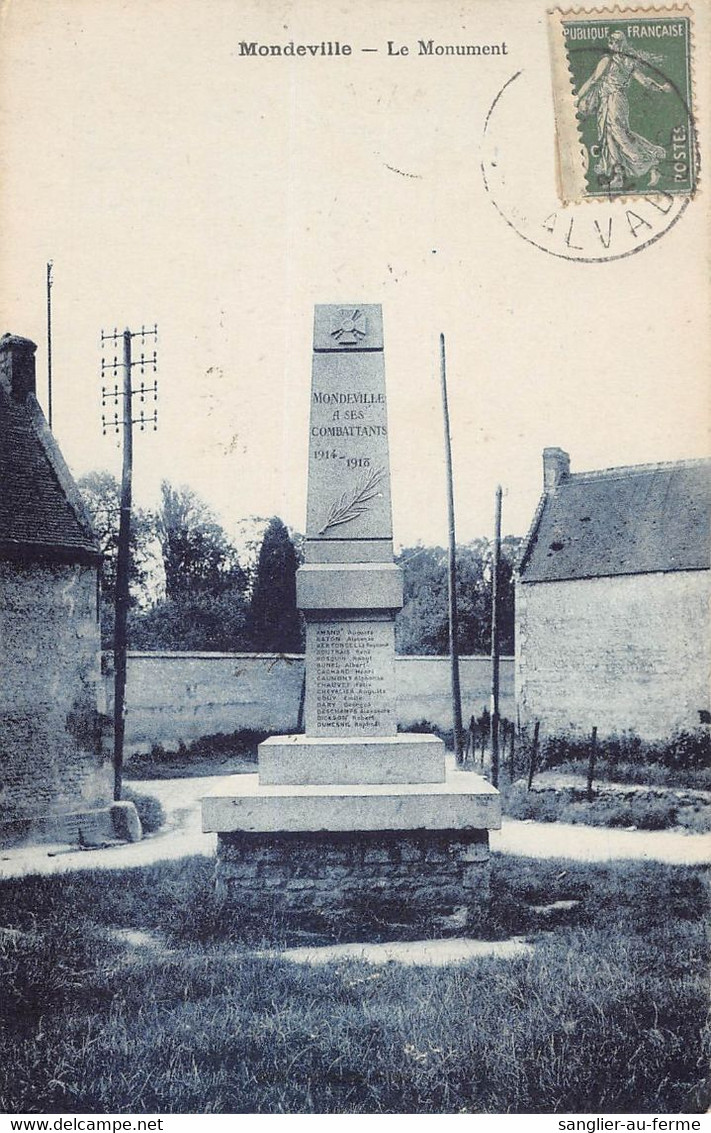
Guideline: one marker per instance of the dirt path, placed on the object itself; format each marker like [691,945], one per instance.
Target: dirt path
[599,843]
[182,837]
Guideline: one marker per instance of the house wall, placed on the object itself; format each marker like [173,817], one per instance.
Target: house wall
[50,692]
[629,653]
[179,697]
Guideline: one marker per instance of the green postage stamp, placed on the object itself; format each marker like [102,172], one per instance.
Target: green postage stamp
[622,94]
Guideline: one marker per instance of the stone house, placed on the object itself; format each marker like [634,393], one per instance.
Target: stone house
[612,600]
[51,759]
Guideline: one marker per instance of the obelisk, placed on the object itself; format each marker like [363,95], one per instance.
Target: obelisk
[349,587]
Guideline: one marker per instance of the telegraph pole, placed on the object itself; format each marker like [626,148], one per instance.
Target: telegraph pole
[452,564]
[495,666]
[49,343]
[125,424]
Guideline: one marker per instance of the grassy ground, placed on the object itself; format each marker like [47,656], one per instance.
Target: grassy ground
[606,1015]
[652,809]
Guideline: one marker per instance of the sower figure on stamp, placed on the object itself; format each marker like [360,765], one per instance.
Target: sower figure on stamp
[604,93]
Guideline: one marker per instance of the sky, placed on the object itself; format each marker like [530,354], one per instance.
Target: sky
[172,180]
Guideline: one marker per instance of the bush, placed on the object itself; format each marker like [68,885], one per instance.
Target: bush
[243,742]
[538,806]
[688,751]
[150,810]
[644,811]
[206,756]
[629,759]
[445,734]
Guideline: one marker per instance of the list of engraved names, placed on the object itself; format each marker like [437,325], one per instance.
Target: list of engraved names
[354,677]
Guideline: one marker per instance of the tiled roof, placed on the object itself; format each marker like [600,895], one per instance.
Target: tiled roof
[622,521]
[38,499]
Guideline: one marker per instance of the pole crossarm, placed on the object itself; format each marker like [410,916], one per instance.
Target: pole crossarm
[119,335]
[141,361]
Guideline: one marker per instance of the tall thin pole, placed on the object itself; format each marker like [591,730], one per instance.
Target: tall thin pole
[452,563]
[49,343]
[495,642]
[122,570]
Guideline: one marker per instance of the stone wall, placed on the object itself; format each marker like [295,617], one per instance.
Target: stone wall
[50,692]
[174,698]
[179,697]
[628,653]
[424,690]
[428,872]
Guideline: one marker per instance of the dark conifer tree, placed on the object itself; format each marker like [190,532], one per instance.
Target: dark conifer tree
[274,620]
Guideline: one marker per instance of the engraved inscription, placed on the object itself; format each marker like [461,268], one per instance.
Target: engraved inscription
[353,690]
[349,482]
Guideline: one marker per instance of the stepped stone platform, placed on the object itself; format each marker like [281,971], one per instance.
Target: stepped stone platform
[461,801]
[325,846]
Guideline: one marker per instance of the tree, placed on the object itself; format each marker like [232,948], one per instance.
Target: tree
[197,556]
[205,605]
[422,624]
[101,493]
[201,622]
[274,619]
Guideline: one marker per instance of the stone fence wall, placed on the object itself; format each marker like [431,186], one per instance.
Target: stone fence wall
[179,697]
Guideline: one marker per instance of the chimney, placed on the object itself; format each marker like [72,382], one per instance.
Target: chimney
[556,466]
[17,366]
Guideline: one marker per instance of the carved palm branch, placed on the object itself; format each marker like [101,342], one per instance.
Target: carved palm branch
[351,504]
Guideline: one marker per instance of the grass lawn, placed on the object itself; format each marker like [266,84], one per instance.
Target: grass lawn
[651,808]
[606,1015]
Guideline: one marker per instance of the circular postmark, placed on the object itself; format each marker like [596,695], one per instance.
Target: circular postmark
[518,164]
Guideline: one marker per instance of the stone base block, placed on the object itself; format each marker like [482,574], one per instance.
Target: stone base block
[403,758]
[408,873]
[125,821]
[349,586]
[97,827]
[464,801]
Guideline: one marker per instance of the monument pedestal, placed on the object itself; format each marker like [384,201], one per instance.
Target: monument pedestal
[354,823]
[352,814]
[413,848]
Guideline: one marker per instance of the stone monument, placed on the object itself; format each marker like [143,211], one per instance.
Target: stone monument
[352,812]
